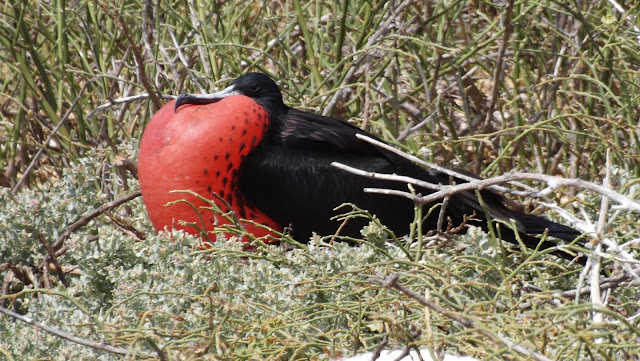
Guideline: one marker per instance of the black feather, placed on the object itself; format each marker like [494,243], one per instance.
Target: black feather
[289,176]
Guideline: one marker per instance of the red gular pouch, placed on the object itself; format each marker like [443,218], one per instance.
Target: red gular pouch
[200,149]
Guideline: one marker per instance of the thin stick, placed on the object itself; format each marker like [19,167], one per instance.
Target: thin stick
[475,183]
[80,341]
[27,171]
[596,297]
[91,215]
[124,100]
[51,257]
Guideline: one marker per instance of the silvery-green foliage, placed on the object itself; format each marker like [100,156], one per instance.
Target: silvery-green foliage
[225,302]
[164,286]
[47,210]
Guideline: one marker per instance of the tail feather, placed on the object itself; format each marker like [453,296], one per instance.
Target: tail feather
[534,225]
[537,225]
[467,203]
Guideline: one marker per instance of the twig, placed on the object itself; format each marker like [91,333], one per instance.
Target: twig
[497,75]
[376,353]
[51,257]
[595,260]
[115,15]
[69,337]
[91,215]
[409,130]
[553,182]
[479,184]
[27,171]
[391,281]
[405,352]
[124,100]
[444,170]
[606,284]
[391,177]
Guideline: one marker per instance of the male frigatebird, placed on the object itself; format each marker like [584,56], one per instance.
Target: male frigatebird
[272,165]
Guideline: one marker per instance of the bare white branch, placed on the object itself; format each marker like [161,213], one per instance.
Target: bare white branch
[491,183]
[594,259]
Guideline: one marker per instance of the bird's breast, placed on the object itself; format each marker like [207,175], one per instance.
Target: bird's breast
[200,148]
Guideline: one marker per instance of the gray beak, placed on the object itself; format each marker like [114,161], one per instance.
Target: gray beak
[187,98]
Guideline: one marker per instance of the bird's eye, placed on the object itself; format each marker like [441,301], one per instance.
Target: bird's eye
[254,88]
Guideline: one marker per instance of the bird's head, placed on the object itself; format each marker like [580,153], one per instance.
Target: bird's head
[257,86]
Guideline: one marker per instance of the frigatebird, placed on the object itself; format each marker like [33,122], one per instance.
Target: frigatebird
[276,168]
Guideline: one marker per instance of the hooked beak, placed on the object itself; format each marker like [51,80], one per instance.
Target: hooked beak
[187,98]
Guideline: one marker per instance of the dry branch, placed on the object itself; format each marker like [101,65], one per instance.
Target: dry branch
[490,183]
[80,341]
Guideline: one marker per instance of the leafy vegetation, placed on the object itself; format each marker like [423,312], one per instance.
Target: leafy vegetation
[541,86]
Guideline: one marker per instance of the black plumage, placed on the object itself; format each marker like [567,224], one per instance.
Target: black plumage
[289,176]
